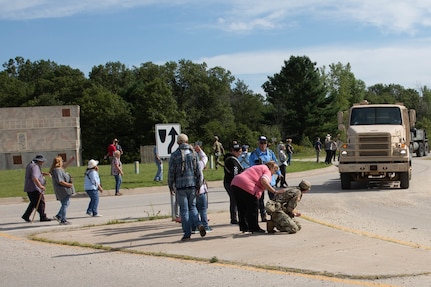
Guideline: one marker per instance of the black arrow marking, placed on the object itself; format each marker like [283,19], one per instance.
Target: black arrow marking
[173,133]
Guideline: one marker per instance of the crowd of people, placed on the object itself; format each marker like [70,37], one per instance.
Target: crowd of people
[247,176]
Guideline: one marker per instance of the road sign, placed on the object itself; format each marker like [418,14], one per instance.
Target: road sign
[166,138]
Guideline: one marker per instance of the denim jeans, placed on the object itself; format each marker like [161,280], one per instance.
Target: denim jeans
[64,204]
[94,201]
[118,181]
[159,174]
[202,206]
[188,211]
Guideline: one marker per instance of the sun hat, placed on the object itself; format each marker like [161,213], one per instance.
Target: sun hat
[92,163]
[39,157]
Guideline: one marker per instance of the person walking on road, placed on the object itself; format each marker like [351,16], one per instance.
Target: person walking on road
[92,187]
[34,185]
[202,197]
[218,151]
[63,187]
[185,179]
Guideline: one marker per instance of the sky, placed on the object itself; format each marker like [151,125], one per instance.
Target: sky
[384,41]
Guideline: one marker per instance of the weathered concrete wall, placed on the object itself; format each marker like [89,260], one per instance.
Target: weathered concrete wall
[48,130]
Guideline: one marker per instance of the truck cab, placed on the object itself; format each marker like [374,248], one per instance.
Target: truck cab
[377,146]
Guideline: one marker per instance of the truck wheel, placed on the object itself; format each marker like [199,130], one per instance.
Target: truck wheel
[346,181]
[426,149]
[420,150]
[404,180]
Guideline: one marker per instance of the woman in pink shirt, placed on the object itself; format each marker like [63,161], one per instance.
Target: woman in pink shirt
[248,187]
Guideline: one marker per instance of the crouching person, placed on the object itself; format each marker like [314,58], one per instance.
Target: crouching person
[282,209]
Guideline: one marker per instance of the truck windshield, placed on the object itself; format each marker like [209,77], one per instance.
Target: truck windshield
[375,116]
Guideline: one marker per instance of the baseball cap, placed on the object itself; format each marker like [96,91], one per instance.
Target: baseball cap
[305,184]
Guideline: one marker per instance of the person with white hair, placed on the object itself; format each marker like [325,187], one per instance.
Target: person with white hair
[184,181]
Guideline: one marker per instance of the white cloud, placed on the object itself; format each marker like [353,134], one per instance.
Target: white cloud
[404,64]
[246,15]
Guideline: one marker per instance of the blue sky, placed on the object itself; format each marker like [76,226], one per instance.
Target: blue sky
[385,41]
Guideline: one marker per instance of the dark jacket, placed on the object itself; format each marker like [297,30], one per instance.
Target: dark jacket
[232,167]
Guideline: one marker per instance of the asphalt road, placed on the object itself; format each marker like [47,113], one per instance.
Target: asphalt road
[376,219]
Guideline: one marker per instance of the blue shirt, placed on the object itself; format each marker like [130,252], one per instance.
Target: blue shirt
[91,180]
[244,159]
[264,156]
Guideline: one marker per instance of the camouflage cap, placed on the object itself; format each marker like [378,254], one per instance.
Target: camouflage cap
[305,184]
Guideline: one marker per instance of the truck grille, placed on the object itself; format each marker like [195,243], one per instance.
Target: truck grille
[374,145]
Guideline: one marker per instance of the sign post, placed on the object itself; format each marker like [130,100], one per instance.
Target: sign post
[166,142]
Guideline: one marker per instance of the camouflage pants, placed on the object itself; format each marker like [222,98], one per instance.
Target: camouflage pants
[279,219]
[283,223]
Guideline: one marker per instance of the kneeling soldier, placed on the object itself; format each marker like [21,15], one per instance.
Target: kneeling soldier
[282,209]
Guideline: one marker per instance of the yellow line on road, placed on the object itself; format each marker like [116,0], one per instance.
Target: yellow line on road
[368,234]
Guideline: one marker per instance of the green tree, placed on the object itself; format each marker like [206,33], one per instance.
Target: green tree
[300,99]
[104,115]
[344,89]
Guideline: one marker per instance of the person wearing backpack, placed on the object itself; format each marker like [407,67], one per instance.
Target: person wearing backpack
[184,181]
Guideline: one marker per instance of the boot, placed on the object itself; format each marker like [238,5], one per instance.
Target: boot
[270,225]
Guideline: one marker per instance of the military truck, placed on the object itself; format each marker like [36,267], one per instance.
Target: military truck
[377,146]
[419,142]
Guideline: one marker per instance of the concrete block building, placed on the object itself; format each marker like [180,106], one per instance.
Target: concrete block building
[47,130]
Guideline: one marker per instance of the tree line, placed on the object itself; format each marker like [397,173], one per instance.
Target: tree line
[300,102]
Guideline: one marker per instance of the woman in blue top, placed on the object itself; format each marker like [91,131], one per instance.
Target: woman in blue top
[92,187]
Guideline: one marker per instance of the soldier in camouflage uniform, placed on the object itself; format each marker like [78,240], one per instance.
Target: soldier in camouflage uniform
[282,209]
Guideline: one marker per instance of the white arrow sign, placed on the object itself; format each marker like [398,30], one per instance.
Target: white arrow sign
[166,139]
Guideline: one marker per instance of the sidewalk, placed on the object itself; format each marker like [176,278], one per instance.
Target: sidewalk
[316,249]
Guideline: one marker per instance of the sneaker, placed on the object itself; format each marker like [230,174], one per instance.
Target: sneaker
[45,219]
[202,230]
[56,217]
[65,222]
[89,213]
[118,194]
[178,219]
[98,215]
[208,229]
[185,238]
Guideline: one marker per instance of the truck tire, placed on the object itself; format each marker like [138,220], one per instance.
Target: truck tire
[420,150]
[404,180]
[426,149]
[346,181]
